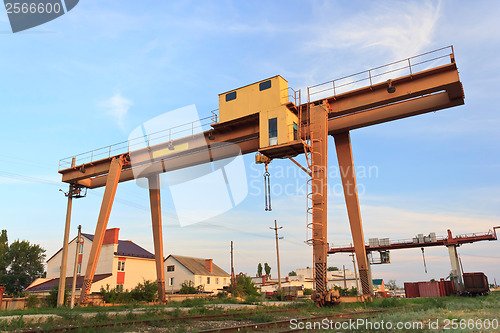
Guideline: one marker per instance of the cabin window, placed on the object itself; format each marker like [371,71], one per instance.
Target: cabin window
[295,129]
[170,268]
[273,131]
[230,96]
[265,85]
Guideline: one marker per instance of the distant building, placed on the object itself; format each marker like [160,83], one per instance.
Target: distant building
[378,285]
[202,272]
[304,278]
[122,263]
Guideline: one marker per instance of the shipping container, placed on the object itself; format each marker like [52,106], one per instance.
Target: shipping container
[447,287]
[433,237]
[373,242]
[429,289]
[476,283]
[411,289]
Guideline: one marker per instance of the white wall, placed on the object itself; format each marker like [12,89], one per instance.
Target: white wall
[181,274]
[104,264]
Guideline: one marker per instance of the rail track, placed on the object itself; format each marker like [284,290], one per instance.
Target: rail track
[275,326]
[155,321]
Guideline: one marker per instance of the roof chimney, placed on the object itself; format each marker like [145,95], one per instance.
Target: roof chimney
[209,265]
[111,236]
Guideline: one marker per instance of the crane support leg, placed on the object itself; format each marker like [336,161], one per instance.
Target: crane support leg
[319,172]
[154,196]
[102,222]
[346,164]
[455,269]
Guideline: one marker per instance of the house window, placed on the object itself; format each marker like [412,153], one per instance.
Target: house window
[208,280]
[121,266]
[80,248]
[216,280]
[119,287]
[170,268]
[273,131]
[171,281]
[79,269]
[265,85]
[230,96]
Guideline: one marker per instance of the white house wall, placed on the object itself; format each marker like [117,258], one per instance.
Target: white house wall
[104,264]
[181,274]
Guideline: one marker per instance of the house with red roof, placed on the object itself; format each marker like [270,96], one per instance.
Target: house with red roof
[122,264]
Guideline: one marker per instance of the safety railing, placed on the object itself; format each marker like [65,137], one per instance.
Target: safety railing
[145,141]
[370,77]
[292,95]
[391,242]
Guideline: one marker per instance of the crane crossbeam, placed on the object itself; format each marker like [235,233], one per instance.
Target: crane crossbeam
[430,90]
[407,244]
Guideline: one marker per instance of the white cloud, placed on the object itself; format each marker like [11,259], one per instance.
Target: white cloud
[117,107]
[403,30]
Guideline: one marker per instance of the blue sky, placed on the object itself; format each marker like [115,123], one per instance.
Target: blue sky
[88,78]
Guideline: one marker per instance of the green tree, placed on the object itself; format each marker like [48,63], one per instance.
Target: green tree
[259,270]
[391,285]
[332,269]
[292,273]
[267,269]
[25,264]
[4,249]
[244,286]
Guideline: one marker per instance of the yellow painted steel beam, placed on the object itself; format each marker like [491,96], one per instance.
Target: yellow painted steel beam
[102,222]
[346,164]
[351,110]
[154,196]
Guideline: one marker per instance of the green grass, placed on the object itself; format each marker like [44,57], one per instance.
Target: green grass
[397,310]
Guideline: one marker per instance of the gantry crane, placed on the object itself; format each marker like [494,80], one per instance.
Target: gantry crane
[420,242]
[246,119]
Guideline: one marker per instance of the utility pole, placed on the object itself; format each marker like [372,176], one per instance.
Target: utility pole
[277,252]
[75,270]
[233,280]
[355,271]
[345,282]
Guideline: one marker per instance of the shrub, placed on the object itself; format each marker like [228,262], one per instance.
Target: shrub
[51,299]
[33,301]
[187,287]
[145,292]
[308,291]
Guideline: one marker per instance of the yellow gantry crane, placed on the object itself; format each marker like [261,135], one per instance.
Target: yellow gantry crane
[268,117]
